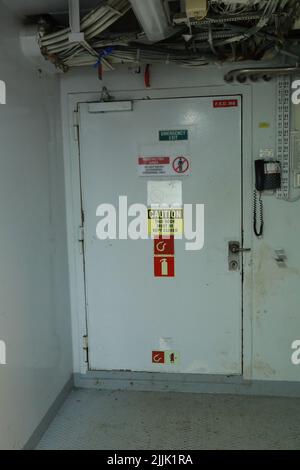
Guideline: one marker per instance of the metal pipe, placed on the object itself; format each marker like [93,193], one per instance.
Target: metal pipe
[241,75]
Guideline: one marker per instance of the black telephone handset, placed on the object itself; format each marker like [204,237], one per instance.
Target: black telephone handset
[267,178]
[259,175]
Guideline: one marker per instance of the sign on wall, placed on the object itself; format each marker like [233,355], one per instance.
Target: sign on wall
[173,135]
[160,166]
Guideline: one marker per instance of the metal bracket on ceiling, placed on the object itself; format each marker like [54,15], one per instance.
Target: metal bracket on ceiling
[74,19]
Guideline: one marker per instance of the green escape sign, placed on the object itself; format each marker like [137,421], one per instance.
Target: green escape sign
[173,135]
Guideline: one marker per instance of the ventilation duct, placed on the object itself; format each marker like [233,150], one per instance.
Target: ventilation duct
[154,19]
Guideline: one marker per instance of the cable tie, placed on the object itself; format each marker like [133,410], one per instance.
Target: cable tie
[104,53]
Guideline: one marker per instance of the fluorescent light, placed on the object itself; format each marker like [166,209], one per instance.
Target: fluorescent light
[153,18]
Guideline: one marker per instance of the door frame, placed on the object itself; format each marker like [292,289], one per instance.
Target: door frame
[74,210]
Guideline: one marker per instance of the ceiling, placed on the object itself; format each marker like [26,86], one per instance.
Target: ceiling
[35,7]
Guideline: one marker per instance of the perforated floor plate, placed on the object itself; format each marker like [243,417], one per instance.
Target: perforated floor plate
[92,419]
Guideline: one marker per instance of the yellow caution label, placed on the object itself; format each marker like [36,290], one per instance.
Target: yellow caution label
[264,125]
[165,222]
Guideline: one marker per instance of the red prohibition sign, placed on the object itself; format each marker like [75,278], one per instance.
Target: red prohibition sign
[181,165]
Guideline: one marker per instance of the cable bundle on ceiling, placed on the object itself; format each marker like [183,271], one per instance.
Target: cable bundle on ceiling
[235,31]
[56,46]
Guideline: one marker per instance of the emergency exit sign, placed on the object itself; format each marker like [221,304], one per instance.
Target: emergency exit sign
[173,135]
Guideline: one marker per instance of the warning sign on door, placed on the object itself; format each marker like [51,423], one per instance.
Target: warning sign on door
[172,357]
[165,222]
[178,165]
[166,357]
[181,165]
[164,266]
[158,357]
[225,103]
[164,246]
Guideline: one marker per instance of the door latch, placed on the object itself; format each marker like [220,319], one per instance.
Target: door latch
[234,258]
[235,248]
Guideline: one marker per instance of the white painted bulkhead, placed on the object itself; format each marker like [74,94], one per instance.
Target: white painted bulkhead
[34,312]
[271,298]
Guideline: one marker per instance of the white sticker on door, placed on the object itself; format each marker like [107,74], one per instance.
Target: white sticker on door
[164,194]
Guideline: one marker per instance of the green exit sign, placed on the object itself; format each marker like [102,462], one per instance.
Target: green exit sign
[173,135]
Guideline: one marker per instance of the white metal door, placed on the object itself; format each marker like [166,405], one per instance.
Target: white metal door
[130,313]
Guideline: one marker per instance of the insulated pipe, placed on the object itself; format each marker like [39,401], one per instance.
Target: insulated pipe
[153,18]
[241,75]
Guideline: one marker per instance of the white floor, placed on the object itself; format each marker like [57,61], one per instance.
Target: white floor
[92,419]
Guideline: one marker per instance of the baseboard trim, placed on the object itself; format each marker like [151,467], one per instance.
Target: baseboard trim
[210,384]
[51,413]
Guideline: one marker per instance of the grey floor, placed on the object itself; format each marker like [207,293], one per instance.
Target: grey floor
[92,419]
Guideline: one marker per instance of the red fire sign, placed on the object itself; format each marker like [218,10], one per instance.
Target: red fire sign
[154,160]
[225,103]
[164,266]
[164,246]
[158,357]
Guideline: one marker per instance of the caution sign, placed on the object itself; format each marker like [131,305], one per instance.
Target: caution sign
[165,222]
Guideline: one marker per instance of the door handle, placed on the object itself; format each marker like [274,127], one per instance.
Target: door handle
[236,249]
[234,258]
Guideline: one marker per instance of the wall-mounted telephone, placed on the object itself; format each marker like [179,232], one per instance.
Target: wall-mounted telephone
[267,178]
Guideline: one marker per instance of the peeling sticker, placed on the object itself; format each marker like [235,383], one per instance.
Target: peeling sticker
[165,344]
[164,193]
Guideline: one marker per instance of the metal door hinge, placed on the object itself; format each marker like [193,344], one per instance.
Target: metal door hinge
[86,347]
[76,125]
[81,234]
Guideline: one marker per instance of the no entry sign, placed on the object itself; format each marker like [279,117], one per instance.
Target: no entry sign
[164,165]
[181,165]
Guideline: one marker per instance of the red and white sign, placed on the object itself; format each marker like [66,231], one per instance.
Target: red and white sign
[164,266]
[158,357]
[181,165]
[178,165]
[225,103]
[154,160]
[164,246]
[169,358]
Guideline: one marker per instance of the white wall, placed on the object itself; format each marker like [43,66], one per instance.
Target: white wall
[276,294]
[272,296]
[34,298]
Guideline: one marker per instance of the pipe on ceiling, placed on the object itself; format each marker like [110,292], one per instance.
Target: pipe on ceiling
[153,17]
